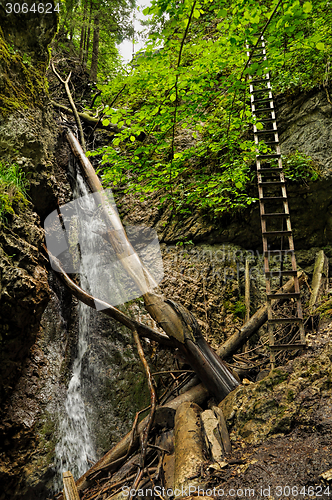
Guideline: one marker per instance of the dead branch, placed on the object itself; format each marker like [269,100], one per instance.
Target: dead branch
[72,104]
[147,428]
[90,120]
[113,312]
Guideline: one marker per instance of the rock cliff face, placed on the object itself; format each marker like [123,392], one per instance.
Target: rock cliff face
[28,135]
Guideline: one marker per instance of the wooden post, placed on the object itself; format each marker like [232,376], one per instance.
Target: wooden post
[247,298]
[69,487]
[319,279]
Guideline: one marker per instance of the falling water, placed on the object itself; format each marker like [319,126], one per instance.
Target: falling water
[75,445]
[102,275]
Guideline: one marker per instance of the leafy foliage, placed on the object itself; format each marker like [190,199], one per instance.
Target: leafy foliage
[299,167]
[13,186]
[187,93]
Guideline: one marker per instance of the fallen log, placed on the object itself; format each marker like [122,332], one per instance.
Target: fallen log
[176,321]
[197,394]
[89,119]
[255,322]
[111,311]
[188,446]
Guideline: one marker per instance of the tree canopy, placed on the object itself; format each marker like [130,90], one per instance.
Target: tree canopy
[187,92]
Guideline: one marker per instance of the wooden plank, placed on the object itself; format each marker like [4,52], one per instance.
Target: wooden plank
[223,429]
[70,491]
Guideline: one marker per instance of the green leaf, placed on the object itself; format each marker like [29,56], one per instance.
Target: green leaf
[132,138]
[222,13]
[307,7]
[106,122]
[320,46]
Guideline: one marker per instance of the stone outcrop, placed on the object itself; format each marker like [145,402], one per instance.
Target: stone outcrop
[297,395]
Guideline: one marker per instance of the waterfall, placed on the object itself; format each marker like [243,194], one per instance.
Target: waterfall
[75,444]
[75,236]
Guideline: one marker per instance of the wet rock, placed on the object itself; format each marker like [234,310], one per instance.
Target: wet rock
[24,291]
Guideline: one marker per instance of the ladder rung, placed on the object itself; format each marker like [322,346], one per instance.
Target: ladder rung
[268,253]
[262,120]
[267,170]
[287,347]
[273,198]
[277,274]
[267,156]
[277,296]
[277,233]
[263,110]
[260,80]
[271,143]
[266,132]
[278,214]
[269,99]
[270,183]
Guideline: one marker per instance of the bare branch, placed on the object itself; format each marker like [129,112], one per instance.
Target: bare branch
[72,104]
[147,428]
[113,312]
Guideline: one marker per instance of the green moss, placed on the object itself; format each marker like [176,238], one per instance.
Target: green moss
[47,440]
[276,377]
[237,308]
[325,310]
[22,84]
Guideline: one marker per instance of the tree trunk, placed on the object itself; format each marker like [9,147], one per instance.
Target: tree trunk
[83,29]
[95,49]
[86,51]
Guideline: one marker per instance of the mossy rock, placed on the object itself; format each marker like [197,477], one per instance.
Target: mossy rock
[287,397]
[23,58]
[325,310]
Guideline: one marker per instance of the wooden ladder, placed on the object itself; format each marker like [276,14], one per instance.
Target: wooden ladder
[274,211]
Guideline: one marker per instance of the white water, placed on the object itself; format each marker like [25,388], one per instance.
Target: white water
[75,445]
